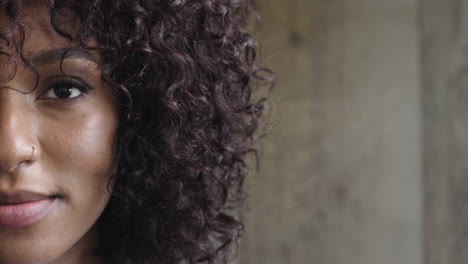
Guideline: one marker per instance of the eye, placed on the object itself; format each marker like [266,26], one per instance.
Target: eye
[63,92]
[66,89]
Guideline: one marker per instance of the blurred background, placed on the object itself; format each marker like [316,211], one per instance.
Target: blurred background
[367,162]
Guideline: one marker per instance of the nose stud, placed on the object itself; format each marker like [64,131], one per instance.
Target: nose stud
[33,154]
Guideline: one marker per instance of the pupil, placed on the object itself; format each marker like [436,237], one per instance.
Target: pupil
[62,91]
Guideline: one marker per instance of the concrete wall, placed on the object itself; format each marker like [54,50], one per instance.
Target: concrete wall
[445,103]
[342,177]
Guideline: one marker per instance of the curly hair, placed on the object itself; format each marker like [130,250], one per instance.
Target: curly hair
[183,72]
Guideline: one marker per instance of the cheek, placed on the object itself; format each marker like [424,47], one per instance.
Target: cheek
[79,153]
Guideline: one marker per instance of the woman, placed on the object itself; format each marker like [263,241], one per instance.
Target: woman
[124,129]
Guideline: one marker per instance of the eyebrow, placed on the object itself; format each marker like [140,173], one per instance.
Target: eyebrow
[54,55]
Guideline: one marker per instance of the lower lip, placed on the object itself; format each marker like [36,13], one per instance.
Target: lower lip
[25,214]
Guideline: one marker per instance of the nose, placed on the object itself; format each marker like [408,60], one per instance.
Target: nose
[18,147]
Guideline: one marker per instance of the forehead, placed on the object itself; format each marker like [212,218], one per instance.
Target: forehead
[43,45]
[39,32]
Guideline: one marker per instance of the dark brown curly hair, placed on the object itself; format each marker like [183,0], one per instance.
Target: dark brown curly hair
[183,72]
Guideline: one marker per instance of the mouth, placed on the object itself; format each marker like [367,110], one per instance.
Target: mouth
[21,197]
[21,209]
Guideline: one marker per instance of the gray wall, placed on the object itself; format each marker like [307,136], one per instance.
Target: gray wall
[444,45]
[366,162]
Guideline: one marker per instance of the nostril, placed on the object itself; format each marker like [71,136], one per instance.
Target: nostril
[25,163]
[19,159]
[21,164]
[29,161]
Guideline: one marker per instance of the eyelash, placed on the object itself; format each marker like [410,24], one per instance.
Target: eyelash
[74,82]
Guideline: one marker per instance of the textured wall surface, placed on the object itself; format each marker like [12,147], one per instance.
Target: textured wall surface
[341,179]
[445,90]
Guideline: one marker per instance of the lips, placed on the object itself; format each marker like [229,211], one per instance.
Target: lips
[21,197]
[21,209]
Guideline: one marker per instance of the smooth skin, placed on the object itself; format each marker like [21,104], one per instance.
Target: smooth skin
[73,131]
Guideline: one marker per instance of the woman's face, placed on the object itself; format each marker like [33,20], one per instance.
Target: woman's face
[56,149]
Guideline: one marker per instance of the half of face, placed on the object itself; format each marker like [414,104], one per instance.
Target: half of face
[57,147]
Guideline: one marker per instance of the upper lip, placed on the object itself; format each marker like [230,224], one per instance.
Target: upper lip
[20,197]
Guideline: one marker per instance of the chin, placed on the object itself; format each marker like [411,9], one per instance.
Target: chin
[34,252]
[26,258]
